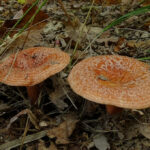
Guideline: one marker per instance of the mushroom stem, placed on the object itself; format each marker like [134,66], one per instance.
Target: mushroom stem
[33,93]
[113,109]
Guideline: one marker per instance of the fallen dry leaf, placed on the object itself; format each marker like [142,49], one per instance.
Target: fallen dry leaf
[29,1]
[147,24]
[108,2]
[112,39]
[8,24]
[76,33]
[74,147]
[133,2]
[138,44]
[126,2]
[145,2]
[33,39]
[101,143]
[79,54]
[52,146]
[41,146]
[18,15]
[119,44]
[63,131]
[59,94]
[145,130]
[57,98]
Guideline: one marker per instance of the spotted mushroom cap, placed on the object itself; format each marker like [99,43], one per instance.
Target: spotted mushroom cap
[114,80]
[32,66]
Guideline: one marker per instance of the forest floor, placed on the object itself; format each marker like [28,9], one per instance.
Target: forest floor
[62,120]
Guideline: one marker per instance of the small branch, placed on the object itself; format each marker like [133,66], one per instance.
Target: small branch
[27,139]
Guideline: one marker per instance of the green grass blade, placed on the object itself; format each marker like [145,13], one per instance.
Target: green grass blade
[126,16]
[21,19]
[121,19]
[25,26]
[32,18]
[118,21]
[144,58]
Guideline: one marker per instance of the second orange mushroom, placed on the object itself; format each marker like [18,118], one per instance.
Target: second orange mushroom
[117,81]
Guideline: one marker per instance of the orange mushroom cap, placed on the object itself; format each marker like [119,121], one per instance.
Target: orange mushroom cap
[31,66]
[113,80]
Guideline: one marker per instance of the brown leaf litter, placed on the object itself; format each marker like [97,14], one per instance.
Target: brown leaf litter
[63,131]
[93,128]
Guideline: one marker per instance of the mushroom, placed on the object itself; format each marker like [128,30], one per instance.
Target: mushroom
[117,81]
[32,66]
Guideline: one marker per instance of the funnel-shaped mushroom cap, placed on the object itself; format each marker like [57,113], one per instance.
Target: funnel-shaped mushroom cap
[32,66]
[115,80]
